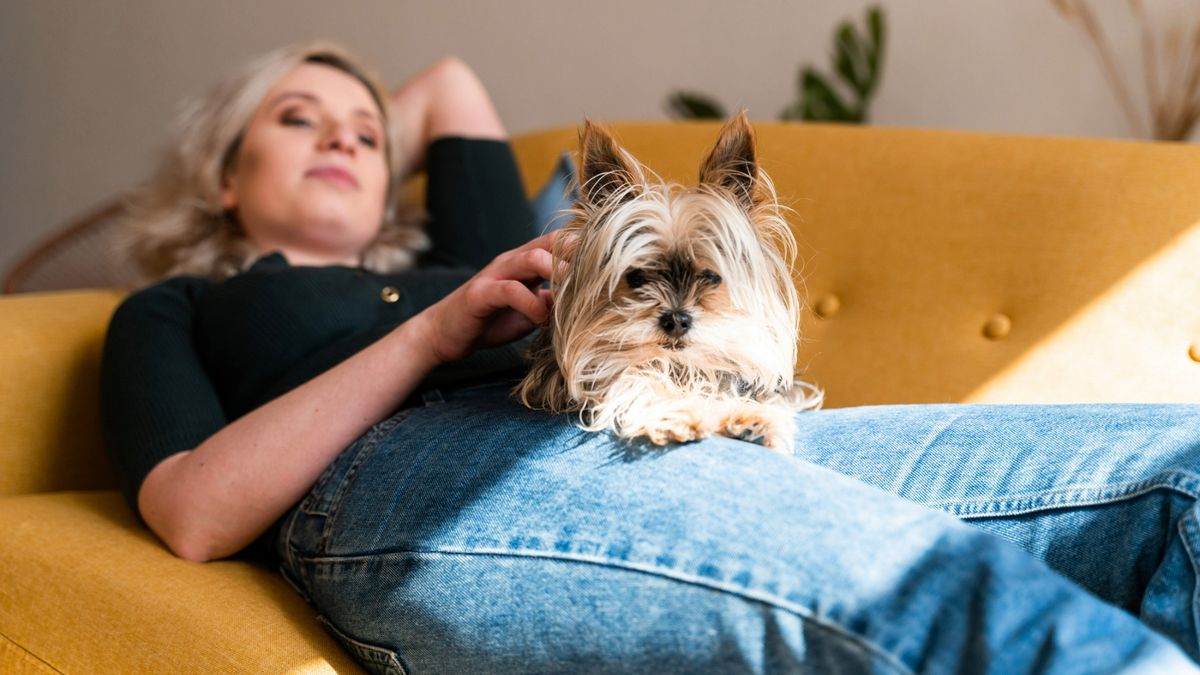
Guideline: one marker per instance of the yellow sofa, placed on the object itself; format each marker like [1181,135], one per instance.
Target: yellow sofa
[939,266]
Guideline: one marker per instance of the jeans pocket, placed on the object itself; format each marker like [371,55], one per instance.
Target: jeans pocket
[1172,600]
[1189,532]
[308,505]
[323,496]
[374,658]
[316,502]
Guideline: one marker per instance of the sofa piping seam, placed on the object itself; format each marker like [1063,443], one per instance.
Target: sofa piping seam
[26,651]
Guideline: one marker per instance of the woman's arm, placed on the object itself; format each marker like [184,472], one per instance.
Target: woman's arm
[212,501]
[445,99]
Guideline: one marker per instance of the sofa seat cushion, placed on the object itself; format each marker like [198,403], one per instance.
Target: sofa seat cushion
[84,588]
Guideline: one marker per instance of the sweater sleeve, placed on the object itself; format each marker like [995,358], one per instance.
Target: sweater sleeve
[476,201]
[156,398]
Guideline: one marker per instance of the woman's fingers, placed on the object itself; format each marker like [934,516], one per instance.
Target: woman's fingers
[564,242]
[545,241]
[508,327]
[504,301]
[527,303]
[529,265]
[514,294]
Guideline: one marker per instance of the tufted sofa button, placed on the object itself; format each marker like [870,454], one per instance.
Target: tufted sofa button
[1194,351]
[827,306]
[997,327]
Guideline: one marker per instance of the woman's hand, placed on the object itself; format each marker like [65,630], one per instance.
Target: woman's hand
[501,303]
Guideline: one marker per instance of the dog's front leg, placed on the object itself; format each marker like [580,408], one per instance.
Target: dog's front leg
[670,420]
[770,424]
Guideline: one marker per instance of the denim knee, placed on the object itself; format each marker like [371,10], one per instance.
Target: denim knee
[503,533]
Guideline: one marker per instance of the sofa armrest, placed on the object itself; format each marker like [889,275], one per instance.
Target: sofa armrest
[50,346]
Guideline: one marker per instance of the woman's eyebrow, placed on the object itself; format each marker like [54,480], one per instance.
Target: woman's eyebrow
[313,98]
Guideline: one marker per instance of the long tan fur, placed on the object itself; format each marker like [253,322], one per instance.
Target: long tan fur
[719,254]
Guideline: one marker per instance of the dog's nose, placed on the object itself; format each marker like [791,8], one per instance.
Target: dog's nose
[675,322]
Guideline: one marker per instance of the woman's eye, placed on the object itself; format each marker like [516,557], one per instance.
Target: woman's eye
[368,140]
[296,121]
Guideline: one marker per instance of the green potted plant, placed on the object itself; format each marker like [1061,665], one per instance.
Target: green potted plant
[857,63]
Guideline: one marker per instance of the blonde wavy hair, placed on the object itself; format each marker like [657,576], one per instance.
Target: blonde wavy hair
[175,223]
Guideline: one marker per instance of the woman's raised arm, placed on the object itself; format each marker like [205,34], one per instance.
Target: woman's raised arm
[445,99]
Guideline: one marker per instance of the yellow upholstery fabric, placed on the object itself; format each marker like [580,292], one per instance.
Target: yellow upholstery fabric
[49,374]
[16,661]
[947,267]
[88,590]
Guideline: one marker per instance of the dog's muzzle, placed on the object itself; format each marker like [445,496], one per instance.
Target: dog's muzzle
[675,323]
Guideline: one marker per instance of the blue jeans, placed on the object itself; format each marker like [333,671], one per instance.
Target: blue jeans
[473,535]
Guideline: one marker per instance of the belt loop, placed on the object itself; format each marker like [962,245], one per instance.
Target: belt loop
[432,396]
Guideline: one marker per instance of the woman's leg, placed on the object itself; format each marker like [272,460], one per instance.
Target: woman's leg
[476,536]
[1106,494]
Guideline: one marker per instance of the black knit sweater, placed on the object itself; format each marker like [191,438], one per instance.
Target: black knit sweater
[186,356]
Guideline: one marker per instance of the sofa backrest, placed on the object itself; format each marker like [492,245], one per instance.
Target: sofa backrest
[938,266]
[955,266]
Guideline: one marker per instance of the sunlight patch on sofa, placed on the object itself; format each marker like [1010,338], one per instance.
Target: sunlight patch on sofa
[1140,329]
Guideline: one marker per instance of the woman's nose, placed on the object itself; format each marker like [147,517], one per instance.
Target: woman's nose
[339,136]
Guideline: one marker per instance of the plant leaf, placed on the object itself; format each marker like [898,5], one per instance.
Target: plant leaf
[691,105]
[877,26]
[794,111]
[821,102]
[849,60]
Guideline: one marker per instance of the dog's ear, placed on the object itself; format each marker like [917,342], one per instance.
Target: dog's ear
[605,169]
[732,164]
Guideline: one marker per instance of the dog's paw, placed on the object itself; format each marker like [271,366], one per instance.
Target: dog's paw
[763,425]
[675,431]
[676,427]
[745,426]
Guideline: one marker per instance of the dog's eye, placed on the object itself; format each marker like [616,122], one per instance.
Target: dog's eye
[710,277]
[635,278]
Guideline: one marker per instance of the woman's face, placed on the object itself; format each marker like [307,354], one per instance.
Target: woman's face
[311,176]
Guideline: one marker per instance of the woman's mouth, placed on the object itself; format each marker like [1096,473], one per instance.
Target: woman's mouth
[333,174]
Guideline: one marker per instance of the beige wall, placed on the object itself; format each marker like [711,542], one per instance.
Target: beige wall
[89,87]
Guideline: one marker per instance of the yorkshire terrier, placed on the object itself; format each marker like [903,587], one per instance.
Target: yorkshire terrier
[677,317]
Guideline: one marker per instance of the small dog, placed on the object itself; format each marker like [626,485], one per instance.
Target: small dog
[677,317]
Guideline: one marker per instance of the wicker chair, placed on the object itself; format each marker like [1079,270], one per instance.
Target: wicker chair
[80,255]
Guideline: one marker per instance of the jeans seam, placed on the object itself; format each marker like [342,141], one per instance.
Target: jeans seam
[365,451]
[392,656]
[370,439]
[1182,482]
[803,613]
[1188,532]
[309,502]
[291,558]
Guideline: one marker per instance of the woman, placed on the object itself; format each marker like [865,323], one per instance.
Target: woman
[291,387]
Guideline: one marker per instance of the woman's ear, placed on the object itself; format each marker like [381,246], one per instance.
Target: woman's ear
[228,194]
